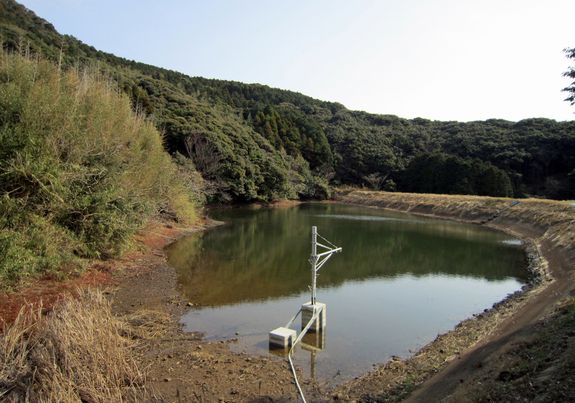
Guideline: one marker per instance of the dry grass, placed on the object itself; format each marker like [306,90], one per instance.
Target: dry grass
[147,324]
[553,220]
[75,353]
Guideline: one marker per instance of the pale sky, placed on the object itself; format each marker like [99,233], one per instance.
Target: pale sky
[442,59]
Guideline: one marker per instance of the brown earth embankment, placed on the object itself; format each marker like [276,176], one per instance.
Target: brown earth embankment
[467,363]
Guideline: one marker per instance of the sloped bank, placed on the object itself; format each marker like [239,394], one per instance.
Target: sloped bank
[478,347]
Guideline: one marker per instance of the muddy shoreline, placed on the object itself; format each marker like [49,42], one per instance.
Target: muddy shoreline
[184,366]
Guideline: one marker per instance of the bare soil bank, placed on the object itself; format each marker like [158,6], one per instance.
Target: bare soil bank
[521,348]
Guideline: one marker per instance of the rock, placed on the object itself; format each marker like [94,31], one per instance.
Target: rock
[167,379]
[190,304]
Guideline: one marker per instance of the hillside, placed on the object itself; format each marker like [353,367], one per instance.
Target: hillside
[253,142]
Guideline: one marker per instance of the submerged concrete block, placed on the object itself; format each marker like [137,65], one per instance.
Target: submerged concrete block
[282,337]
[307,311]
[314,341]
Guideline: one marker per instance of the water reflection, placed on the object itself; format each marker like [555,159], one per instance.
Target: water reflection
[262,254]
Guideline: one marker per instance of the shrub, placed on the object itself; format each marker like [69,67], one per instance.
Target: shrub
[80,171]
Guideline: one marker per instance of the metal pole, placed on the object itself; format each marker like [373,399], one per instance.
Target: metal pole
[313,262]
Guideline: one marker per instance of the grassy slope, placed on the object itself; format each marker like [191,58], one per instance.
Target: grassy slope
[249,168]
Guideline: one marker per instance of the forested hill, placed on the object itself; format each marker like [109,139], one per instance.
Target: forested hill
[253,142]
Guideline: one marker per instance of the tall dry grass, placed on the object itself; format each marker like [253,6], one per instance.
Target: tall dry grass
[75,353]
[553,220]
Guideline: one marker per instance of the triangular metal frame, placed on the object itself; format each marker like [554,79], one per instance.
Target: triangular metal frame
[317,260]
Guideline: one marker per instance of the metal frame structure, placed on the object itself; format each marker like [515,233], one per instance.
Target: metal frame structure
[317,260]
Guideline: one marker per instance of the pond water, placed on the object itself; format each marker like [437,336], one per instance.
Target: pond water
[400,280]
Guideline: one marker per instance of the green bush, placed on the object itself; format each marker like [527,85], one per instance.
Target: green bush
[79,170]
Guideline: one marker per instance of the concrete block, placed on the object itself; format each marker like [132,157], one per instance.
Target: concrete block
[282,337]
[314,341]
[307,311]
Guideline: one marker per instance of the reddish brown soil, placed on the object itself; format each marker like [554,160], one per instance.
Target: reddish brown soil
[47,291]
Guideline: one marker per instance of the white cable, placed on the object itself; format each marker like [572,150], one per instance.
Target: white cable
[297,340]
[295,378]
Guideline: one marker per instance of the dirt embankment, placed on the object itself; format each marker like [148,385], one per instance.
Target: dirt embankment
[497,355]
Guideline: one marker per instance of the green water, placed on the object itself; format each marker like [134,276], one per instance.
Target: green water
[400,280]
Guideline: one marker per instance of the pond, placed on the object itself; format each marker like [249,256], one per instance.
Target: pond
[400,280]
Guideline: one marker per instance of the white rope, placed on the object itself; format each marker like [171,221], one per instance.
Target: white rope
[297,340]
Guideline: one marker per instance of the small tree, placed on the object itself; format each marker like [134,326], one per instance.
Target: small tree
[571,74]
[205,155]
[375,180]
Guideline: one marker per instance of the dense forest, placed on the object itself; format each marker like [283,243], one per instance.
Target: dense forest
[252,142]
